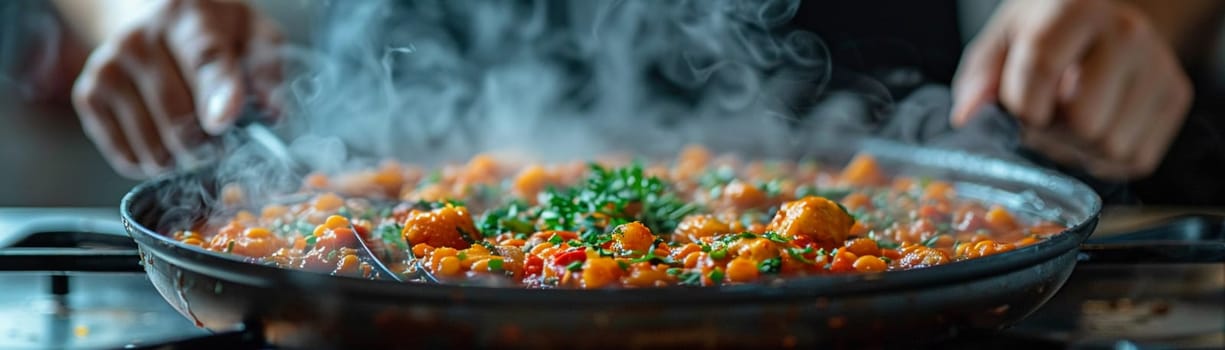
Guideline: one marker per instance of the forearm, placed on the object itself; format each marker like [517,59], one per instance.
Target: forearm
[94,20]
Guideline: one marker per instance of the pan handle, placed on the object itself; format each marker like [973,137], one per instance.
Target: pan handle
[1153,252]
[1195,239]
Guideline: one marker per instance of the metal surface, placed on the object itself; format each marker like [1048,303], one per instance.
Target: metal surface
[304,309]
[50,300]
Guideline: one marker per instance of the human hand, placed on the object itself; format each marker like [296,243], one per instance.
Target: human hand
[154,94]
[1091,80]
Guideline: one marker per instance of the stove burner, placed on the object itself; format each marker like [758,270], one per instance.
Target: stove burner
[64,286]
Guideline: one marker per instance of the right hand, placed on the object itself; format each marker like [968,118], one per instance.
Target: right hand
[152,96]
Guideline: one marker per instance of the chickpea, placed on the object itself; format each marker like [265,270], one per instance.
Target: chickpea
[743,195]
[862,171]
[600,272]
[868,263]
[695,227]
[328,202]
[1000,220]
[742,270]
[863,246]
[634,237]
[448,266]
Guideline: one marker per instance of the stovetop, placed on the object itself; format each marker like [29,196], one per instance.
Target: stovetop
[58,303]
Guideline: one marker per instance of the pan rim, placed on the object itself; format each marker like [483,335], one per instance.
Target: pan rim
[235,270]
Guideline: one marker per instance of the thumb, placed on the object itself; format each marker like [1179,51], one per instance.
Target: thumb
[219,95]
[978,76]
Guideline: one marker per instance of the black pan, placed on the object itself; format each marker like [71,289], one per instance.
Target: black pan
[305,309]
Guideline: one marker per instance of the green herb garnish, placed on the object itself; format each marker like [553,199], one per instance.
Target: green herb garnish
[575,266]
[391,234]
[689,278]
[772,188]
[771,265]
[798,254]
[931,241]
[774,236]
[716,276]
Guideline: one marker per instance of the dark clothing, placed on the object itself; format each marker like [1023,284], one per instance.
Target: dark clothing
[875,37]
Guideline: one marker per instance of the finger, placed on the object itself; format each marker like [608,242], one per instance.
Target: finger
[170,100]
[164,94]
[89,98]
[978,75]
[205,44]
[1171,116]
[1040,54]
[1151,120]
[1059,145]
[1097,91]
[140,129]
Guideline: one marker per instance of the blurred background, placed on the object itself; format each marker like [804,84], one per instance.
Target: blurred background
[48,161]
[46,158]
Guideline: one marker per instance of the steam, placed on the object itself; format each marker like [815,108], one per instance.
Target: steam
[432,81]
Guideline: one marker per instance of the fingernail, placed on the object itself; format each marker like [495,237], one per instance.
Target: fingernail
[962,97]
[216,104]
[958,118]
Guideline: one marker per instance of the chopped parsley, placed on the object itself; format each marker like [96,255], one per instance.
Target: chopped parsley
[944,227]
[887,244]
[575,266]
[624,265]
[510,218]
[772,188]
[689,278]
[771,265]
[434,177]
[728,239]
[716,276]
[495,264]
[931,241]
[774,236]
[798,254]
[652,258]
[610,193]
[390,233]
[716,178]
[555,239]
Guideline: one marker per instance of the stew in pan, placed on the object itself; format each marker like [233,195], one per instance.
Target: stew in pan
[699,220]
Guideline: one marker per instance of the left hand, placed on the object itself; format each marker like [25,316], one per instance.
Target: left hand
[1093,83]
